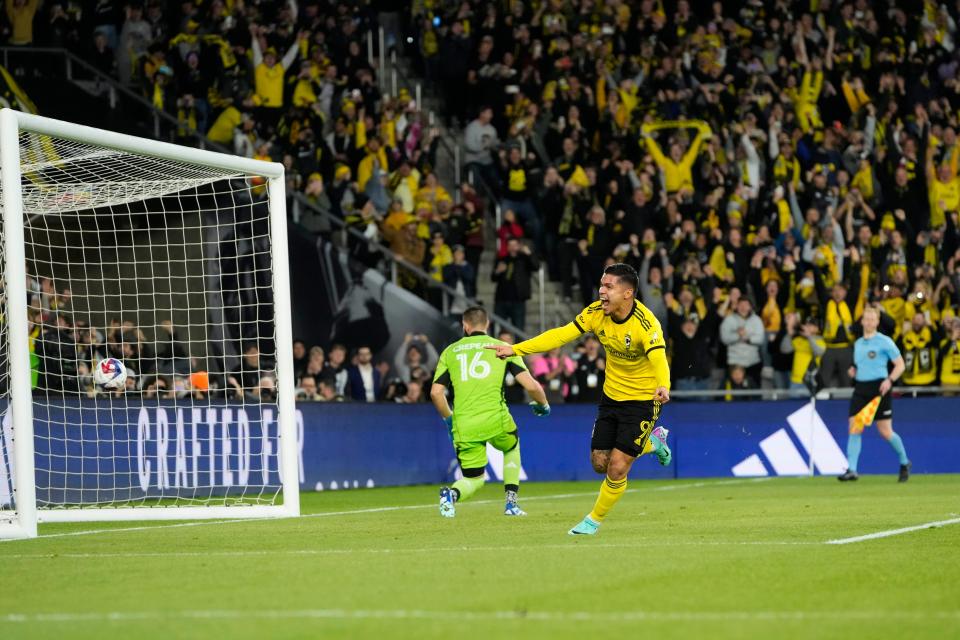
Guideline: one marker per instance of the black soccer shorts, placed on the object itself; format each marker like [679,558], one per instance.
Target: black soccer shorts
[624,425]
[864,392]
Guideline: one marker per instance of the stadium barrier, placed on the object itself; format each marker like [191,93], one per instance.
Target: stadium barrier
[136,449]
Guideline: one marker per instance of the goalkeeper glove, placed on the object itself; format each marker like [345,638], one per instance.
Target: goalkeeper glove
[448,421]
[540,410]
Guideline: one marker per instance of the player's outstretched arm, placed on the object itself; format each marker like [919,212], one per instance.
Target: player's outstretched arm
[438,394]
[504,351]
[542,343]
[535,390]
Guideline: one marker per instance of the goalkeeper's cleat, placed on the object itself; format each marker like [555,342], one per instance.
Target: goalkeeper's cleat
[848,476]
[587,527]
[659,438]
[905,472]
[448,501]
[512,508]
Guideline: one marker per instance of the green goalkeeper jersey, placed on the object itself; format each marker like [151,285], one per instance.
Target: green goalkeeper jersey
[476,375]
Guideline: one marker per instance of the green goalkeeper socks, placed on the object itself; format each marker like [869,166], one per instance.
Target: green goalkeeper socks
[466,487]
[511,467]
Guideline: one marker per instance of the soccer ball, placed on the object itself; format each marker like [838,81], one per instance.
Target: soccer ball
[110,374]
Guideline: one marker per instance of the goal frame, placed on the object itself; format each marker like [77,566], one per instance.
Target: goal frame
[27,515]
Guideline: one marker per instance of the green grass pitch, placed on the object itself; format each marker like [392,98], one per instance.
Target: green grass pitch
[675,559]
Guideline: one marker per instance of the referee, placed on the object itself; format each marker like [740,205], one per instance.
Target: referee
[871,356]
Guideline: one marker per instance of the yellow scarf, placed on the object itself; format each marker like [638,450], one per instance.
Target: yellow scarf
[833,275]
[186,121]
[783,215]
[863,180]
[838,315]
[920,356]
[157,96]
[896,308]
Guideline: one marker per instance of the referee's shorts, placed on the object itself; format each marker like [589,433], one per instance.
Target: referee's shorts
[864,392]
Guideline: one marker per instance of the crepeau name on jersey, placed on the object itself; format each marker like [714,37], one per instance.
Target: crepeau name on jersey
[471,346]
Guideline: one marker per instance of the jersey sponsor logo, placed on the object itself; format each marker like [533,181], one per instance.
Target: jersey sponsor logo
[624,355]
[654,337]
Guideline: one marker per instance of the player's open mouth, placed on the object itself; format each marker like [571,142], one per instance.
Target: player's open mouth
[605,303]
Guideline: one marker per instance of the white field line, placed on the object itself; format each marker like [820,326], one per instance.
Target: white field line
[327,514]
[894,532]
[240,553]
[11,619]
[720,483]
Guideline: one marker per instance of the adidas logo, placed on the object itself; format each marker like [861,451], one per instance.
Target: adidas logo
[602,333]
[785,459]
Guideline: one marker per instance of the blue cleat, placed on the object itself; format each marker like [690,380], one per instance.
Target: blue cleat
[587,527]
[448,501]
[512,508]
[659,439]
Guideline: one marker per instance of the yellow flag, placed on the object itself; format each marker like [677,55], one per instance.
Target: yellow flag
[866,415]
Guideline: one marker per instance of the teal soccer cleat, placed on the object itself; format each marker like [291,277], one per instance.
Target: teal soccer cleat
[448,501]
[587,527]
[659,438]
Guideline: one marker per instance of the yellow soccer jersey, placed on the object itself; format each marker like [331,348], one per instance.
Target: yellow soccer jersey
[636,350]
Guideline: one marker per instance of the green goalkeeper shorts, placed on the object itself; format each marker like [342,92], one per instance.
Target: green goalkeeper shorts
[473,455]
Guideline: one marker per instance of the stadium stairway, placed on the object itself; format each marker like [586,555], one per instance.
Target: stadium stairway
[556,310]
[65,87]
[69,101]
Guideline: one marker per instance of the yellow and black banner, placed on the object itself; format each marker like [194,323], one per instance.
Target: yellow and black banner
[11,95]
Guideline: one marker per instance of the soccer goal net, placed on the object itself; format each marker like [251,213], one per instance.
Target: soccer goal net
[173,261]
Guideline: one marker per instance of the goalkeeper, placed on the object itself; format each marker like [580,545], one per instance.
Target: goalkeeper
[871,392]
[481,416]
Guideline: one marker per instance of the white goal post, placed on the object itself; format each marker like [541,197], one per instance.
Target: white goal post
[173,260]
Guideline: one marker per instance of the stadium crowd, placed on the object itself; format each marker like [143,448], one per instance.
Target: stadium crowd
[770,167]
[64,351]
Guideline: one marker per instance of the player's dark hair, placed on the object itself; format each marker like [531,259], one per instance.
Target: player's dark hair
[626,274]
[476,317]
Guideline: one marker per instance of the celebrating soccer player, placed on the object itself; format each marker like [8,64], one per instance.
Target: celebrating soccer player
[637,383]
[480,414]
[871,392]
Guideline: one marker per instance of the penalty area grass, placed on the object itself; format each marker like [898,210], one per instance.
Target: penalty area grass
[731,558]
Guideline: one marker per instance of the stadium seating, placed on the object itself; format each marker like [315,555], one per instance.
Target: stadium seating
[803,159]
